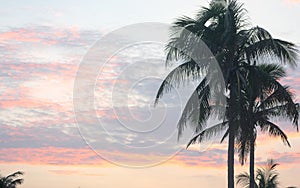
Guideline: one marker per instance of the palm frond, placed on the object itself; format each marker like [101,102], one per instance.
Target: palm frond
[273,130]
[243,179]
[197,109]
[274,71]
[180,76]
[280,104]
[208,133]
[15,182]
[261,44]
[243,142]
[14,175]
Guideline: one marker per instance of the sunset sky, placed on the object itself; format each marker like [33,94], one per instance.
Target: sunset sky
[42,45]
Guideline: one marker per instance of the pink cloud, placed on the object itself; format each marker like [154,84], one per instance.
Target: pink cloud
[211,158]
[50,155]
[85,156]
[286,158]
[45,84]
[48,36]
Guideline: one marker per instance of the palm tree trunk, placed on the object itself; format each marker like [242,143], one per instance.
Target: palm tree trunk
[251,167]
[230,160]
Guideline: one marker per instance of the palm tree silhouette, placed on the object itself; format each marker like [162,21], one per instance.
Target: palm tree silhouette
[266,177]
[259,103]
[264,101]
[223,27]
[12,180]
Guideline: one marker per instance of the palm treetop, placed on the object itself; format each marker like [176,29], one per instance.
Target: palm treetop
[226,30]
[266,177]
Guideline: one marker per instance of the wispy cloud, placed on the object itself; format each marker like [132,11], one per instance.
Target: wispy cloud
[38,124]
[50,155]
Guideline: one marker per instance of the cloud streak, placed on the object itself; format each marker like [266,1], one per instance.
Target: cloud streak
[38,124]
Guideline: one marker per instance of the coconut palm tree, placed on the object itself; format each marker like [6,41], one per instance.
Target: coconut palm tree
[12,180]
[260,102]
[224,29]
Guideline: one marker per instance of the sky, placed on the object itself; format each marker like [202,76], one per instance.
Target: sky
[67,123]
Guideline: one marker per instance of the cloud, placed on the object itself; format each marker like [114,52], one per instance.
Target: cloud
[46,35]
[44,44]
[62,135]
[50,155]
[37,116]
[211,158]
[85,156]
[284,158]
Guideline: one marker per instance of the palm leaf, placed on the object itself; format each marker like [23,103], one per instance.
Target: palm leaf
[208,133]
[180,76]
[261,44]
[197,109]
[273,130]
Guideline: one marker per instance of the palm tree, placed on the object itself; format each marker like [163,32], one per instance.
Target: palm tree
[259,103]
[262,102]
[266,177]
[223,28]
[12,180]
